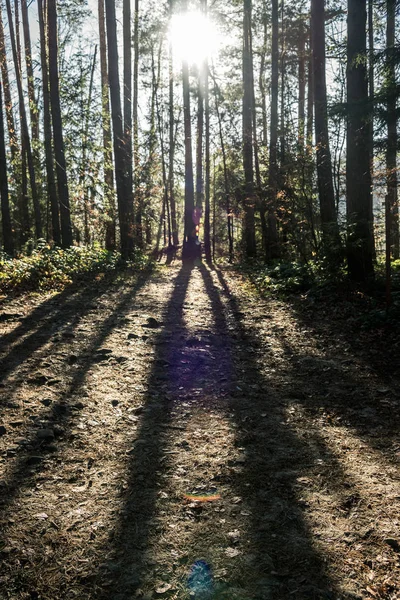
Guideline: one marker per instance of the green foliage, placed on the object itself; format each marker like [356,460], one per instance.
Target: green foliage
[285,277]
[49,268]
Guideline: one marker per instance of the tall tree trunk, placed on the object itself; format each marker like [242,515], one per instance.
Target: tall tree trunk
[188,252]
[199,144]
[24,127]
[51,181]
[310,99]
[302,87]
[171,180]
[13,139]
[330,231]
[84,165]
[249,200]
[29,71]
[107,141]
[124,192]
[261,81]
[371,89]
[358,176]
[226,179]
[272,245]
[207,187]
[127,87]
[62,182]
[8,242]
[135,114]
[391,148]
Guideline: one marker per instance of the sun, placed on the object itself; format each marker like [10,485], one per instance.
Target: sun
[193,37]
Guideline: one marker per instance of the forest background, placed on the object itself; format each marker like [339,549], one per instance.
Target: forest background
[276,122]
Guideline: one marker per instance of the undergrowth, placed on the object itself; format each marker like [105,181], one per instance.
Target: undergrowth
[314,282]
[49,268]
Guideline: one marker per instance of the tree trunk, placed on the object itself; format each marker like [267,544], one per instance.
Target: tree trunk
[175,233]
[272,245]
[249,200]
[13,140]
[124,192]
[135,108]
[51,181]
[189,244]
[391,148]
[24,127]
[62,182]
[207,190]
[261,82]
[29,71]
[358,176]
[109,195]
[84,167]
[302,88]
[127,87]
[8,242]
[330,231]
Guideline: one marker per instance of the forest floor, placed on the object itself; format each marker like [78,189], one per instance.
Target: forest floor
[175,435]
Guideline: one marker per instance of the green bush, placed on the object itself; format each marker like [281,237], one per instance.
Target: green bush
[49,268]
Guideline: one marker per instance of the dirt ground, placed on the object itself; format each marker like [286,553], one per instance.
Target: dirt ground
[174,435]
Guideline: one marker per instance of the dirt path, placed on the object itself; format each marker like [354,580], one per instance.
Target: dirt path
[178,437]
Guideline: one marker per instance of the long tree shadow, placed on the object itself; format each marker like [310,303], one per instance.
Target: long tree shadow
[31,457]
[344,380]
[285,558]
[170,371]
[55,318]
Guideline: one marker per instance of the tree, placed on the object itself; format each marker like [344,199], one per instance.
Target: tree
[124,192]
[358,174]
[106,129]
[48,149]
[247,115]
[391,119]
[24,127]
[272,240]
[4,198]
[330,231]
[58,140]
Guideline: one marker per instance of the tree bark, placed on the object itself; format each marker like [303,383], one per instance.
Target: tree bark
[391,148]
[24,127]
[127,87]
[272,242]
[330,231]
[249,199]
[124,193]
[59,153]
[8,242]
[34,112]
[109,195]
[358,175]
[13,140]
[51,181]
[135,114]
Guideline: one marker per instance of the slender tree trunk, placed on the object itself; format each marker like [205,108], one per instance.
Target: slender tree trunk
[207,190]
[13,139]
[24,128]
[58,140]
[302,87]
[259,196]
[84,166]
[127,87]
[273,246]
[261,81]
[371,88]
[326,193]
[249,200]
[310,99]
[138,199]
[199,145]
[188,253]
[175,233]
[124,192]
[8,241]
[107,141]
[29,71]
[358,176]
[51,181]
[226,179]
[391,148]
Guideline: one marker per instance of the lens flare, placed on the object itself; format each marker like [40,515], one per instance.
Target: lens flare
[200,580]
